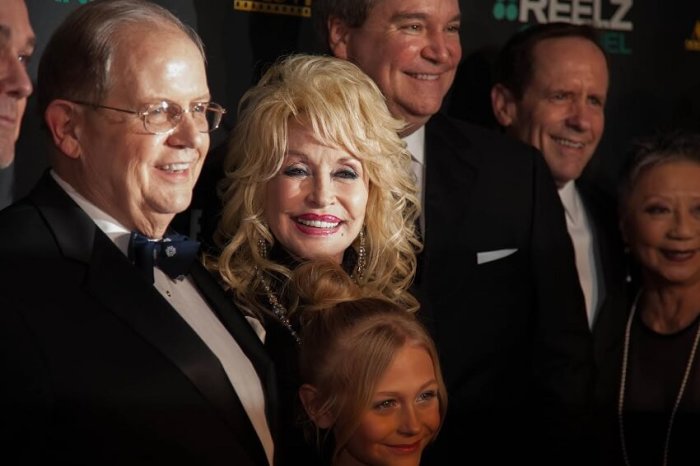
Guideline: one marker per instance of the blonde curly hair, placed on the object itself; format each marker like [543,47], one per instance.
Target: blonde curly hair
[343,108]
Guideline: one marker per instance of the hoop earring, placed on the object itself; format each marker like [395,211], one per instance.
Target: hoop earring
[361,257]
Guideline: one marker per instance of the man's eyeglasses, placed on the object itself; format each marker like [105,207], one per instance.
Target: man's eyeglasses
[164,116]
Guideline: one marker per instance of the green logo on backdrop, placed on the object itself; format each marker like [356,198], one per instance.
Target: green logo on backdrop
[506,9]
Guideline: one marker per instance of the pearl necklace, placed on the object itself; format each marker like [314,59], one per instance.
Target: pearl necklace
[623,381]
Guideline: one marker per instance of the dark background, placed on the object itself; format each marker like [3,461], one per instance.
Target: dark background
[654,49]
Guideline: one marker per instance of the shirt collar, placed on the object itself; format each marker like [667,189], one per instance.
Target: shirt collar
[570,200]
[114,230]
[415,143]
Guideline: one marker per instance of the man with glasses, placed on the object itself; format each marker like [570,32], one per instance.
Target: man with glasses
[116,345]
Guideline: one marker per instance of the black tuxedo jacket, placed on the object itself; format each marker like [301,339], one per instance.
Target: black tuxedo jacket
[97,368]
[511,331]
[609,325]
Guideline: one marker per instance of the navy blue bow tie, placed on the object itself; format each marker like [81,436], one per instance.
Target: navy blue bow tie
[174,254]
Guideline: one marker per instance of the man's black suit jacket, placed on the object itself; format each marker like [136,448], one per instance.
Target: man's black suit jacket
[512,333]
[97,368]
[609,324]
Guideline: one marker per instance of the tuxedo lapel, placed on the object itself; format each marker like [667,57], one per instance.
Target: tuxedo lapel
[238,326]
[113,281]
[608,245]
[73,229]
[451,171]
[450,174]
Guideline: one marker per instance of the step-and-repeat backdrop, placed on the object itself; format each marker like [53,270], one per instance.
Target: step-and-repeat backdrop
[654,48]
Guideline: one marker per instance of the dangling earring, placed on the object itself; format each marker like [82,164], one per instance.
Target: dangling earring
[262,248]
[628,271]
[361,257]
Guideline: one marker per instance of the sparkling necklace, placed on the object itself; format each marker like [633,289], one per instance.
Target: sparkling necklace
[623,381]
[277,308]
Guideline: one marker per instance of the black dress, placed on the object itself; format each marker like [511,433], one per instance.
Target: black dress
[292,447]
[656,366]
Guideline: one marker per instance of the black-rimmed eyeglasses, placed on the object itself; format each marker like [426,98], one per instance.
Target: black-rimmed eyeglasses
[164,116]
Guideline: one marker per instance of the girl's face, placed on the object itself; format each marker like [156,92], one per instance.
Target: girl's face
[403,416]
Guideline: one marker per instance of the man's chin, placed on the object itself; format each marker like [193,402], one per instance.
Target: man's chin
[7,155]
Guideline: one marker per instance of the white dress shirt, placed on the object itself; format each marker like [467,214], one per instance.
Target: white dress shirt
[185,298]
[579,226]
[415,143]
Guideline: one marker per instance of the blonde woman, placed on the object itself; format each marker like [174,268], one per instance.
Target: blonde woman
[315,170]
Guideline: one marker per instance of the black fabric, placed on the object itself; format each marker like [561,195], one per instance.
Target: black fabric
[656,366]
[609,325]
[295,447]
[97,367]
[512,333]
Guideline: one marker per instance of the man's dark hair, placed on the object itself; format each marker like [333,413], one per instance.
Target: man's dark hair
[515,63]
[352,12]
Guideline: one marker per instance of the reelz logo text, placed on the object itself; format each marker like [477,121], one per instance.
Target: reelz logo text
[609,16]
[579,12]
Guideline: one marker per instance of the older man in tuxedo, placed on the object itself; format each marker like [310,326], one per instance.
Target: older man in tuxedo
[496,279]
[116,347]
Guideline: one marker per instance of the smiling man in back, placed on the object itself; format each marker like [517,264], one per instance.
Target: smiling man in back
[496,279]
[551,89]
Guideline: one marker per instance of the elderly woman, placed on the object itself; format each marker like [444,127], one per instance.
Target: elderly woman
[659,398]
[370,372]
[315,170]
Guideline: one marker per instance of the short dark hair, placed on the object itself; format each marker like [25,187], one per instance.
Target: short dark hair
[352,12]
[651,151]
[75,63]
[514,65]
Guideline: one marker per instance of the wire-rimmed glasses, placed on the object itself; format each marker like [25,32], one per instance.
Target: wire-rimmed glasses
[164,116]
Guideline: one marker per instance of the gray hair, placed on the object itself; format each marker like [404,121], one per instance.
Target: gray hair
[652,151]
[75,64]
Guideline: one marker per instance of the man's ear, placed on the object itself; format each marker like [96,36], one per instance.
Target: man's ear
[61,119]
[338,36]
[503,105]
[309,398]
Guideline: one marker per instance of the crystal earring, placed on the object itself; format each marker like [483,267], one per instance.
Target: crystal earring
[361,256]
[262,248]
